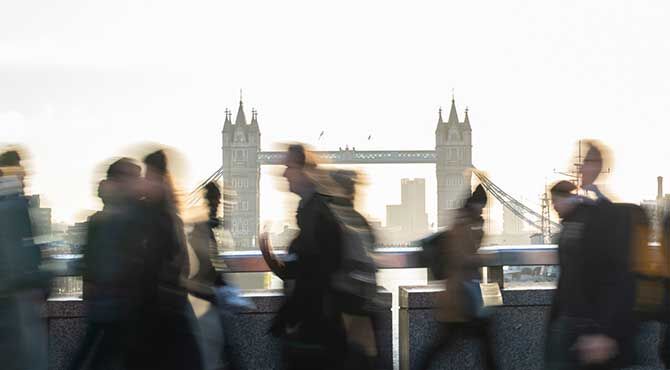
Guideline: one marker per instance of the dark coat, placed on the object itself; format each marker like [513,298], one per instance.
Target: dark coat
[313,256]
[113,263]
[19,257]
[595,282]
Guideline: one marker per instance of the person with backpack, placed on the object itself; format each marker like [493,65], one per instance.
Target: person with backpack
[355,283]
[592,323]
[310,322]
[461,311]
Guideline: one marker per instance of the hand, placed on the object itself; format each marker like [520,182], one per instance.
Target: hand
[264,243]
[595,349]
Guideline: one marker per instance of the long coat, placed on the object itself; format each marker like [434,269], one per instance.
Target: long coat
[460,260]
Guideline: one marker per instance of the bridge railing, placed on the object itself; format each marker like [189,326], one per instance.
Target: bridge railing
[251,261]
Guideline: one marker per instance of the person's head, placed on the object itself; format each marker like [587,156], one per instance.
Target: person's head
[121,181]
[297,163]
[212,196]
[156,164]
[477,201]
[563,198]
[10,158]
[593,164]
[346,180]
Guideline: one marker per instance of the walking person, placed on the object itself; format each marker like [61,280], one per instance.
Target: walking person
[169,325]
[309,322]
[23,288]
[207,284]
[592,323]
[112,268]
[460,311]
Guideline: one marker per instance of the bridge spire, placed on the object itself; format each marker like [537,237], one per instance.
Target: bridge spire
[240,119]
[453,115]
[227,123]
[254,118]
[466,121]
[439,119]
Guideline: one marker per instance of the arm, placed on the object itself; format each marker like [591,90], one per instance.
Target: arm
[277,266]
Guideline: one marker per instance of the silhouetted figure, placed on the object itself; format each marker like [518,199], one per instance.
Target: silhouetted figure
[309,323]
[354,283]
[23,287]
[461,311]
[113,264]
[592,322]
[206,283]
[169,327]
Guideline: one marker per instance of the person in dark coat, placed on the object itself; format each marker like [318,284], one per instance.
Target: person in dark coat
[592,322]
[309,322]
[112,267]
[23,287]
[168,323]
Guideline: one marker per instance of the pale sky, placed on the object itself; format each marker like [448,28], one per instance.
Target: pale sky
[81,80]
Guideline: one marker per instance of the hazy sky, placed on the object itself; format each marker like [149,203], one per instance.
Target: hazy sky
[80,80]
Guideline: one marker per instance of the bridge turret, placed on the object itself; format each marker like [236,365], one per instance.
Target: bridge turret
[453,159]
[241,173]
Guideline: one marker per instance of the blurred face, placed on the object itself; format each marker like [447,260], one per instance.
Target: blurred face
[294,174]
[563,204]
[591,168]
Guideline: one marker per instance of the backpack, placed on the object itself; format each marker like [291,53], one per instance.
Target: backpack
[354,283]
[650,268]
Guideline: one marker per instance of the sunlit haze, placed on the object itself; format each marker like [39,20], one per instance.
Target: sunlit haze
[80,81]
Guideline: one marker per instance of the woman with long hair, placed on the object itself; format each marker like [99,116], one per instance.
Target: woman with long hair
[169,318]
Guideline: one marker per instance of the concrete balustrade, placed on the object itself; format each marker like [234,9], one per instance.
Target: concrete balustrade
[518,325]
[253,346]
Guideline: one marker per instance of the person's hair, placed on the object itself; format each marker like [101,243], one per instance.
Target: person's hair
[122,169]
[562,188]
[296,153]
[593,152]
[478,197]
[346,179]
[212,190]
[158,161]
[10,158]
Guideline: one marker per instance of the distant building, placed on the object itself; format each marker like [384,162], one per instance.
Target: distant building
[41,217]
[657,210]
[410,215]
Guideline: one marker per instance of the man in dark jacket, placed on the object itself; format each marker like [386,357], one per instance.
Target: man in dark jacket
[591,321]
[309,322]
[113,266]
[23,343]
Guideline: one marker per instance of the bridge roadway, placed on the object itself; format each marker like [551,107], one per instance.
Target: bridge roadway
[352,156]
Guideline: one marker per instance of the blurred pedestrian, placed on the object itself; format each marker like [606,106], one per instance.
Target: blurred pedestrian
[309,322]
[113,265]
[592,320]
[461,312]
[23,287]
[354,283]
[208,284]
[169,325]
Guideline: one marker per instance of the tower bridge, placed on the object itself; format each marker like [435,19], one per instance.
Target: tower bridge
[452,156]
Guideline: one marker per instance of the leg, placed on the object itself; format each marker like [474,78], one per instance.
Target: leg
[485,334]
[447,335]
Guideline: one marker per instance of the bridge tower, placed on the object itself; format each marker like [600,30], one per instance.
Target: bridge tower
[241,143]
[453,149]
